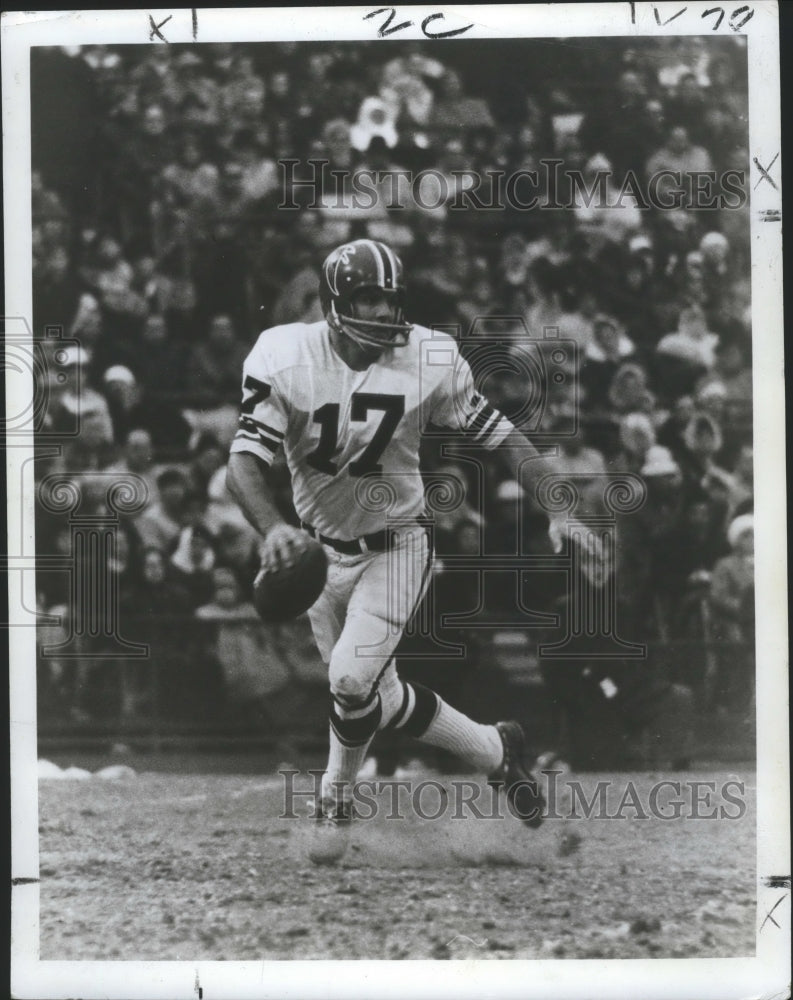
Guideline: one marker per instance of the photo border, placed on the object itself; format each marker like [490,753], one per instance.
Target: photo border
[764,975]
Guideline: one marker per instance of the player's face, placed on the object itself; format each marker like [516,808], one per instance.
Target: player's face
[368,304]
[372,304]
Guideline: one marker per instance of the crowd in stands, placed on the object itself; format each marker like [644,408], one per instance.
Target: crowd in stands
[160,250]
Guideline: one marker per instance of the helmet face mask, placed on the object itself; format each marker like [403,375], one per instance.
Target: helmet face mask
[356,266]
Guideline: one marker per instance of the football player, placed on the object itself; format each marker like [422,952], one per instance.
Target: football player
[347,399]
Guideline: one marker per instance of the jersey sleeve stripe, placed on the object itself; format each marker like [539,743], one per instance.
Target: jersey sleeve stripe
[496,433]
[488,427]
[480,420]
[249,435]
[247,421]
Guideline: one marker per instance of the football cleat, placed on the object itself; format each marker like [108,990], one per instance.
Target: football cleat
[330,836]
[524,798]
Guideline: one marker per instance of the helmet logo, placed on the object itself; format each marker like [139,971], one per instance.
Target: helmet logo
[345,253]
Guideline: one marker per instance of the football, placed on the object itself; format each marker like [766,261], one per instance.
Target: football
[287,592]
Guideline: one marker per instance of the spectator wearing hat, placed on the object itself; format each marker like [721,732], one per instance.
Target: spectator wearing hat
[710,398]
[631,292]
[133,406]
[629,390]
[375,119]
[87,328]
[692,339]
[658,462]
[637,436]
[684,356]
[703,442]
[716,265]
[123,394]
[659,520]
[604,353]
[612,219]
[73,401]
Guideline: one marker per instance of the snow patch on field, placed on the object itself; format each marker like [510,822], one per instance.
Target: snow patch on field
[47,771]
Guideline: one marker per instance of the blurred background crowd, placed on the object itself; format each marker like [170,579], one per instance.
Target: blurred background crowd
[160,251]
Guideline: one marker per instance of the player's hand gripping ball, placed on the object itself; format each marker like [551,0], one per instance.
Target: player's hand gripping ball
[292,576]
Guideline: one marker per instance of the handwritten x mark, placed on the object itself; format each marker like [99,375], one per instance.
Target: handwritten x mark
[768,915]
[155,29]
[764,175]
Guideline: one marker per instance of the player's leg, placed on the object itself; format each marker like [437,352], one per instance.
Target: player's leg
[327,617]
[384,590]
[497,750]
[414,710]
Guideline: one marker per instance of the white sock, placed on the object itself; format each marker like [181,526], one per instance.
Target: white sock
[478,744]
[344,763]
[357,728]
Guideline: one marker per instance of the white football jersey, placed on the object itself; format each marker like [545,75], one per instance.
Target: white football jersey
[351,438]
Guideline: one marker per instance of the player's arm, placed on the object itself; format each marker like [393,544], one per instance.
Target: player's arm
[458,405]
[246,479]
[264,417]
[530,466]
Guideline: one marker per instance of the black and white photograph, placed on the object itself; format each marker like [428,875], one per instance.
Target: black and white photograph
[395,459]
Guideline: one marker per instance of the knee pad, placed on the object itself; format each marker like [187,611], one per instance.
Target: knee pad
[419,708]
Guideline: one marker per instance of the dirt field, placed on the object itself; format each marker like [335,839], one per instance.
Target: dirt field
[182,867]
